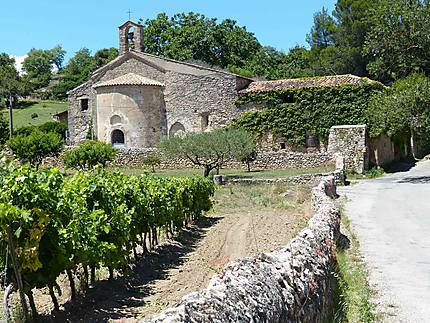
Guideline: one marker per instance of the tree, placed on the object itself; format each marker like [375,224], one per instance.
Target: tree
[10,81]
[323,30]
[398,43]
[36,146]
[90,154]
[39,64]
[403,109]
[151,161]
[104,56]
[207,149]
[195,37]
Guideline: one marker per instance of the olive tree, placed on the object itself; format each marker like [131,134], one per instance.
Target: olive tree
[210,150]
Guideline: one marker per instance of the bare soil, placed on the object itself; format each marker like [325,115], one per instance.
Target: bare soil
[245,221]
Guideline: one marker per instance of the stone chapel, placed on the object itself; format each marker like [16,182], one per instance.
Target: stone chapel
[137,98]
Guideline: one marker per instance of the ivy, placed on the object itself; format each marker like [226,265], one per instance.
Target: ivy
[292,113]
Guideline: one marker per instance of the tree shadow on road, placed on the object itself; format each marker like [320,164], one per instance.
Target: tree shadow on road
[402,165]
[116,299]
[415,180]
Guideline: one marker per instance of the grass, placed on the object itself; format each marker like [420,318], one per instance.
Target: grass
[374,172]
[252,197]
[238,173]
[353,293]
[44,109]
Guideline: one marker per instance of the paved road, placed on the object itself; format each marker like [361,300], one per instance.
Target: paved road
[391,217]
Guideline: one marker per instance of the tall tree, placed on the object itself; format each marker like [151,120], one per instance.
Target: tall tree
[323,30]
[399,42]
[193,36]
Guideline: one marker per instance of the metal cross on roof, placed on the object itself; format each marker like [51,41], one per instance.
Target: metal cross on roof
[129,14]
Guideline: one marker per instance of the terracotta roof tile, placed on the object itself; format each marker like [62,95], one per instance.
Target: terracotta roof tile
[128,79]
[317,82]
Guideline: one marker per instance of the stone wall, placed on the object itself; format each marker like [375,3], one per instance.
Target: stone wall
[292,284]
[266,159]
[350,141]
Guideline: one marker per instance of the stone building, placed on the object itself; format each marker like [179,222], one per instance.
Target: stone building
[137,98]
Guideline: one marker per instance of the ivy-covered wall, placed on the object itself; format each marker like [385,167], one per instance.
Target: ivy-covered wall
[291,113]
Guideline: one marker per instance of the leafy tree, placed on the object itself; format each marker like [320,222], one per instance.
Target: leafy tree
[398,44]
[36,146]
[193,36]
[322,32]
[403,109]
[39,64]
[104,56]
[89,154]
[207,149]
[10,81]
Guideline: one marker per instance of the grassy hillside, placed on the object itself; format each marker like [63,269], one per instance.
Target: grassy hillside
[44,110]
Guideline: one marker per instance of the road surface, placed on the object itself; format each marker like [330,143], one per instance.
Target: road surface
[391,217]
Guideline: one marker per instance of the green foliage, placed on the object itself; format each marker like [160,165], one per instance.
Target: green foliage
[38,66]
[34,147]
[322,32]
[151,161]
[208,149]
[50,126]
[10,81]
[294,112]
[403,109]
[90,154]
[79,69]
[4,130]
[193,36]
[91,219]
[398,44]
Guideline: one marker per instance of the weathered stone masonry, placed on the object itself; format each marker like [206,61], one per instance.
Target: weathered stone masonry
[194,98]
[292,284]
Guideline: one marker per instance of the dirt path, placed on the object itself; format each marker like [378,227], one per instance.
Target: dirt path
[235,236]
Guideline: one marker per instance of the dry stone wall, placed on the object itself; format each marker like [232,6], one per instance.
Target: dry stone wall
[265,160]
[292,284]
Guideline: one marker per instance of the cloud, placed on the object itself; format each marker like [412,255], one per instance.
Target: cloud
[18,62]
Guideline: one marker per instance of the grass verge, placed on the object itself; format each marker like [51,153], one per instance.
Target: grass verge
[44,109]
[236,173]
[353,295]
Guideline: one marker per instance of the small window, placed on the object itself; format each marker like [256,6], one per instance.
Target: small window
[84,104]
[205,121]
[282,145]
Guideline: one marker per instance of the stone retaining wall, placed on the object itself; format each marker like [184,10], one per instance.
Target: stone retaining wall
[265,160]
[292,284]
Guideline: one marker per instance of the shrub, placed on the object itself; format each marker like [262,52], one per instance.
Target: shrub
[50,126]
[151,161]
[34,147]
[89,154]
[34,115]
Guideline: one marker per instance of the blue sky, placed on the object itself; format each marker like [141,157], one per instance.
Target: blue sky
[74,24]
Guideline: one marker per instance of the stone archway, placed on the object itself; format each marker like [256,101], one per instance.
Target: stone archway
[176,129]
[117,138]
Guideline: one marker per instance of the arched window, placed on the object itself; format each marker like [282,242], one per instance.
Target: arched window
[117,138]
[176,129]
[116,119]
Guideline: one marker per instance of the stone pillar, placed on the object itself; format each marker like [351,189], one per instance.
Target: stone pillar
[350,141]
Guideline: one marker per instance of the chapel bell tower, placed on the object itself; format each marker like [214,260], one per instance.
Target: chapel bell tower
[130,37]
